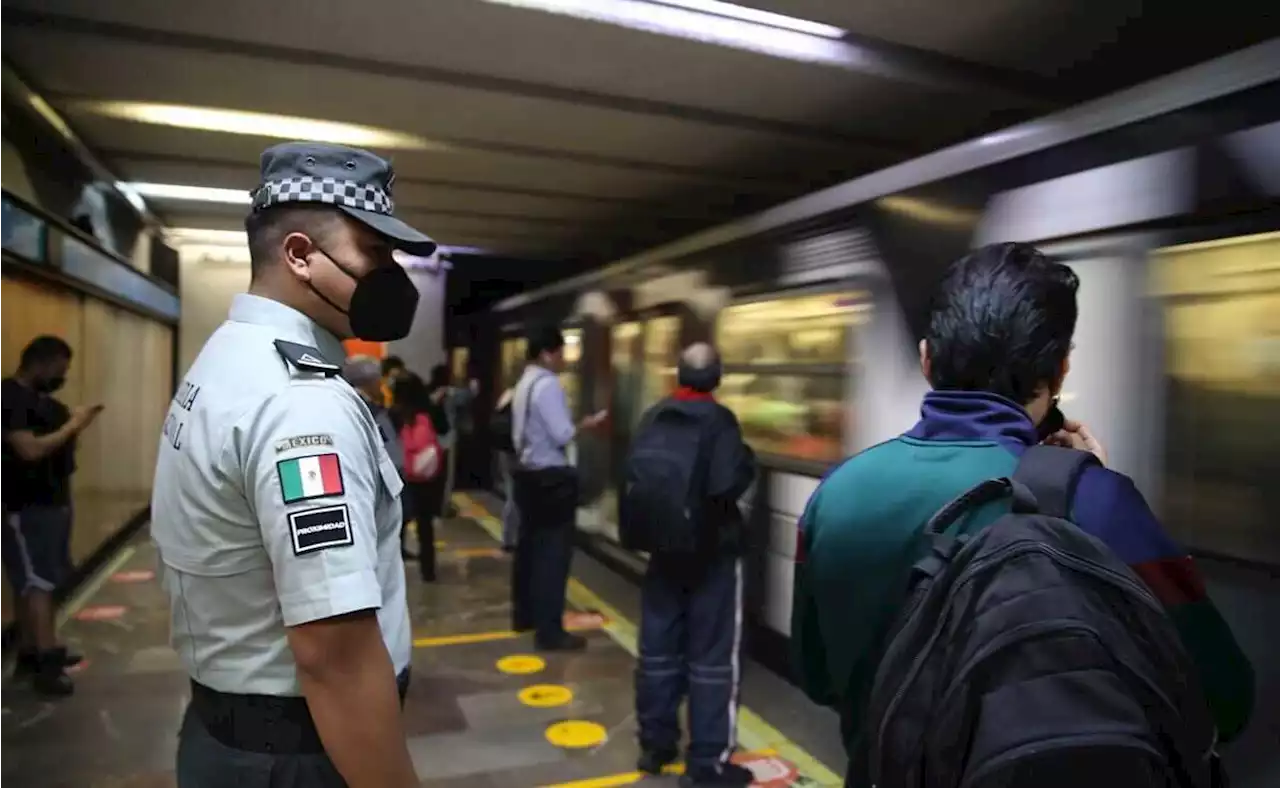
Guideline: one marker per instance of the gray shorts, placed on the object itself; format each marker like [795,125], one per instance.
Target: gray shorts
[37,547]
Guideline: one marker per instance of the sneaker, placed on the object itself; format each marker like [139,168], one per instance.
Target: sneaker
[723,775]
[69,658]
[26,664]
[566,642]
[51,677]
[652,761]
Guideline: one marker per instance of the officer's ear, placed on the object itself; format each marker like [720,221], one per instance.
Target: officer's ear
[296,249]
[925,365]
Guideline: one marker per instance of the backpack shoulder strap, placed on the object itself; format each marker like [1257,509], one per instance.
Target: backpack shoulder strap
[1052,473]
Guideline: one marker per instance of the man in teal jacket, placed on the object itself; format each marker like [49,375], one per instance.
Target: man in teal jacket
[996,357]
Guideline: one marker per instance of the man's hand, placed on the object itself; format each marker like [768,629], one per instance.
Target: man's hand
[82,416]
[594,420]
[1075,435]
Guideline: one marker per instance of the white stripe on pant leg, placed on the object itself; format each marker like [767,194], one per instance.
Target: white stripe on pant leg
[29,569]
[735,663]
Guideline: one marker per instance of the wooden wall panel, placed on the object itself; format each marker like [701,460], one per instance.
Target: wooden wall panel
[34,308]
[126,367]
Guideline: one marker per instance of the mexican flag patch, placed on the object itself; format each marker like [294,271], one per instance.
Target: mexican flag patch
[317,476]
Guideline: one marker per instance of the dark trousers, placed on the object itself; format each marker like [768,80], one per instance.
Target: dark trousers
[262,759]
[690,642]
[205,762]
[427,501]
[543,554]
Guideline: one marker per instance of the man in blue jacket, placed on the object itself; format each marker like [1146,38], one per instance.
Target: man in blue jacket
[996,356]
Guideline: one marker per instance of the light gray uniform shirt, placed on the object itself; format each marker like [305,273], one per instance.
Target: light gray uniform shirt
[274,504]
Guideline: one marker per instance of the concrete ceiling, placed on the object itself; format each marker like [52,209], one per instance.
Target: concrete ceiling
[574,139]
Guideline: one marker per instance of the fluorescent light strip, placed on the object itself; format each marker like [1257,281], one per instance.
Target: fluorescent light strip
[174,191]
[258,124]
[200,235]
[710,28]
[767,18]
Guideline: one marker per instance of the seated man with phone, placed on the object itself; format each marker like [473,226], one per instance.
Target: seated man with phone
[39,458]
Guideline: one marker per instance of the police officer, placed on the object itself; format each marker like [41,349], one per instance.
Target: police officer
[276,509]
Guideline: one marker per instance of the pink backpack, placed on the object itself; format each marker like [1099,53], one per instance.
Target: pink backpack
[422,452]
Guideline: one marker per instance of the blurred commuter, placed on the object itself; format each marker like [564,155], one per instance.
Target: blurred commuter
[276,509]
[420,419]
[996,356]
[364,375]
[501,421]
[39,458]
[392,368]
[546,492]
[686,469]
[458,400]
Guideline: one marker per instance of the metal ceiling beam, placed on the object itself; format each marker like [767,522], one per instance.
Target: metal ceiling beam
[16,18]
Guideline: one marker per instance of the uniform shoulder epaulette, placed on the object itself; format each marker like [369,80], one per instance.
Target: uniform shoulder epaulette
[306,358]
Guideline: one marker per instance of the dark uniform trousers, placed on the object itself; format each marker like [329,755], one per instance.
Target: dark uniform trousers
[548,502]
[690,642]
[254,741]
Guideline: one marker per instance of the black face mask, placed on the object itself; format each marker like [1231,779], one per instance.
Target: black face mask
[50,385]
[383,304]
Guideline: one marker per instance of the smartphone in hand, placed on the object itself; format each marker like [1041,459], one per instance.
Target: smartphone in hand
[1053,422]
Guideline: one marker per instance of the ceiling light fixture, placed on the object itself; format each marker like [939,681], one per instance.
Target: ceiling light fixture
[259,124]
[713,22]
[766,18]
[201,235]
[174,191]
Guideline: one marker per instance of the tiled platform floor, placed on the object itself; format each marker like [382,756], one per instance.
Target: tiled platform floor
[465,721]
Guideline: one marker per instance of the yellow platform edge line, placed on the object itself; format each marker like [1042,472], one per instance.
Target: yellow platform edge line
[756,734]
[468,638]
[94,585]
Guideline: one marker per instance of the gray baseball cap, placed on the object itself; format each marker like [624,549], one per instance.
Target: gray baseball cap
[355,181]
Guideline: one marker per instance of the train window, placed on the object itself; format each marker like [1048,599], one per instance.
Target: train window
[809,329]
[571,376]
[1221,303]
[512,360]
[661,350]
[787,363]
[458,358]
[625,357]
[799,416]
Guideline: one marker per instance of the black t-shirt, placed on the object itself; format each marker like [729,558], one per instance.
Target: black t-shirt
[45,482]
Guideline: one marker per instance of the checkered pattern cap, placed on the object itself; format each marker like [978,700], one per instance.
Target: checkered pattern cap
[354,181]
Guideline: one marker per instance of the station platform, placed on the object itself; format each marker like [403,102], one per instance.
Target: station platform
[484,708]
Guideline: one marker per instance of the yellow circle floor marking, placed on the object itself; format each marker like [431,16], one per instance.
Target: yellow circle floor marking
[545,695]
[520,664]
[576,734]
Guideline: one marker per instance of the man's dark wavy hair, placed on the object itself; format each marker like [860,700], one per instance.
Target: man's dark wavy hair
[1002,322]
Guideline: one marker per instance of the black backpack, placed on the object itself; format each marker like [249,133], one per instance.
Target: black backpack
[663,497]
[1029,655]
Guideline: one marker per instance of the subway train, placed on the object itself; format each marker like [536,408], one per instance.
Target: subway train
[1163,198]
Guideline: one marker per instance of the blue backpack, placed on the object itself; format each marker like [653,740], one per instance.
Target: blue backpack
[662,502]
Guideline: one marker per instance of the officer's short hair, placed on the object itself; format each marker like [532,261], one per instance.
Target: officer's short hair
[1002,322]
[361,371]
[43,349]
[267,227]
[542,339]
